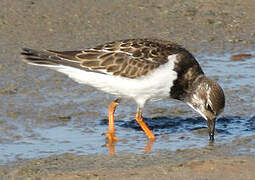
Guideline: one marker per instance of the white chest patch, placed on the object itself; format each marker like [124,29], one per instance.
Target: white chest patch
[155,85]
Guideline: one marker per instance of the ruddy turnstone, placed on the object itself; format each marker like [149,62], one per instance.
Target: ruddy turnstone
[141,70]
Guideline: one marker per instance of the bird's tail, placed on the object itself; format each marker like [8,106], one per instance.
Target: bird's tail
[40,58]
[50,58]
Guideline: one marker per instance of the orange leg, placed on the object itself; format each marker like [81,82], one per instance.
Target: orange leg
[111,133]
[140,121]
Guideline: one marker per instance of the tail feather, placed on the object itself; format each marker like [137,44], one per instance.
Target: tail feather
[71,55]
[47,58]
[40,57]
[54,59]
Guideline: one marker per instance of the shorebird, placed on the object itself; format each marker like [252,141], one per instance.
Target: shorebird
[139,70]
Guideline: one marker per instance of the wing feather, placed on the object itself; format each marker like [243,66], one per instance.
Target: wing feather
[129,58]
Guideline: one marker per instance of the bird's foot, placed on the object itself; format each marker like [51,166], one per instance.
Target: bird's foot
[111,136]
[111,139]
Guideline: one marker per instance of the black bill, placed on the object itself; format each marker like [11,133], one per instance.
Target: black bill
[211,128]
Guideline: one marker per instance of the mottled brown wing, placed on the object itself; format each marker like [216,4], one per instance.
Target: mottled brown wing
[128,58]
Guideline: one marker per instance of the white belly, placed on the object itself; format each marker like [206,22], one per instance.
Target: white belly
[155,85]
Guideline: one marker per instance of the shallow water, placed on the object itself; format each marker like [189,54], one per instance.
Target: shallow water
[44,113]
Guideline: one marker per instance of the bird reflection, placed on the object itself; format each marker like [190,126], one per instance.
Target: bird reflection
[110,144]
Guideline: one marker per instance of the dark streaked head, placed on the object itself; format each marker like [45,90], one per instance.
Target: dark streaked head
[207,98]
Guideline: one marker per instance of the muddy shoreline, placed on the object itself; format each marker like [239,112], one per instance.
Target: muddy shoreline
[210,27]
[203,163]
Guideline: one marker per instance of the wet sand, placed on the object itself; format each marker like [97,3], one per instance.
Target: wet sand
[69,166]
[202,27]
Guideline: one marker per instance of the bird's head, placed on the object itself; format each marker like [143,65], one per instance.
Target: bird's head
[207,98]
